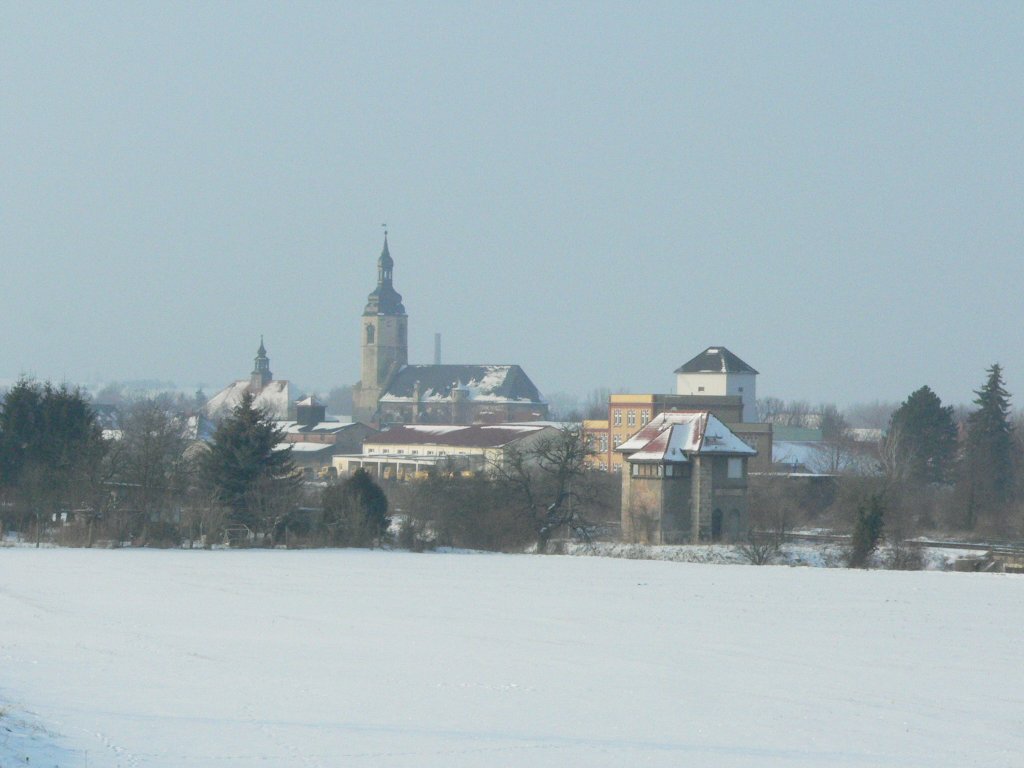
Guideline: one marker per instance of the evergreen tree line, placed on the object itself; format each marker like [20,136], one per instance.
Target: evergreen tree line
[153,483]
[962,475]
[935,472]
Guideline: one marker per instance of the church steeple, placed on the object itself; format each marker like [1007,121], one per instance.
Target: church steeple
[385,300]
[385,345]
[385,264]
[261,375]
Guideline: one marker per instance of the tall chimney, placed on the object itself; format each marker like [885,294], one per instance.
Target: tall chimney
[437,349]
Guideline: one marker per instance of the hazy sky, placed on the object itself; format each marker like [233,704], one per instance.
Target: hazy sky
[594,191]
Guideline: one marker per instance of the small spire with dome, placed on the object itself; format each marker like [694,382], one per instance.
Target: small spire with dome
[261,375]
[385,300]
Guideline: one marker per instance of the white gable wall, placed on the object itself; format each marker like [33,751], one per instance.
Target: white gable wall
[722,384]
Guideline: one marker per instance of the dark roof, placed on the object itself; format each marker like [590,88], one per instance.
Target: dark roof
[384,300]
[715,360]
[496,383]
[475,436]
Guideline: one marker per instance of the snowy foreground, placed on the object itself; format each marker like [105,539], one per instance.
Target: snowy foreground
[349,658]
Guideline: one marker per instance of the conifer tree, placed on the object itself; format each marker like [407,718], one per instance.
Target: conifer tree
[987,479]
[244,472]
[51,449]
[867,531]
[356,510]
[922,439]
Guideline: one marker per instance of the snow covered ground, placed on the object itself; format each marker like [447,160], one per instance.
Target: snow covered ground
[351,658]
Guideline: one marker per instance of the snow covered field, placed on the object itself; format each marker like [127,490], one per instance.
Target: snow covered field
[351,658]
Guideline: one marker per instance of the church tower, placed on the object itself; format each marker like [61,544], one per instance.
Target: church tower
[261,375]
[384,334]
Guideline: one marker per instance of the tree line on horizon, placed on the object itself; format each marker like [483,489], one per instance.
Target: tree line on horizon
[156,484]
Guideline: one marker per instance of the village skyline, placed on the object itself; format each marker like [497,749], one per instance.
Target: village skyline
[832,192]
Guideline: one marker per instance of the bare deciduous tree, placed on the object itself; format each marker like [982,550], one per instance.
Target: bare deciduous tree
[547,483]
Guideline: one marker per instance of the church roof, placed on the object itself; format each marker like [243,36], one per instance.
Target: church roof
[715,360]
[275,398]
[674,437]
[478,383]
[476,436]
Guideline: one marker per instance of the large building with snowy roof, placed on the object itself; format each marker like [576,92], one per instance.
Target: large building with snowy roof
[686,481]
[274,397]
[409,450]
[391,391]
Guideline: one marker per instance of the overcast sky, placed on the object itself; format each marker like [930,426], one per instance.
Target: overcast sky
[594,191]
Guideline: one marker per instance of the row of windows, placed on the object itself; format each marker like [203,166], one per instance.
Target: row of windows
[658,470]
[631,416]
[734,470]
[413,452]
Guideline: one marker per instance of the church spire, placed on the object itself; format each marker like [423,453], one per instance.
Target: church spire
[385,300]
[385,264]
[261,375]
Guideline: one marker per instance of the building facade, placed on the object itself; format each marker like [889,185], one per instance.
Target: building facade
[717,371]
[629,412]
[415,450]
[684,481]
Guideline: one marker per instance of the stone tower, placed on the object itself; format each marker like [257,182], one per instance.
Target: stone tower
[261,375]
[385,345]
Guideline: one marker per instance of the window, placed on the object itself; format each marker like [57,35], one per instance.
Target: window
[636,470]
[617,440]
[700,389]
[617,418]
[741,389]
[735,469]
[370,333]
[645,416]
[631,418]
[658,471]
[604,443]
[668,470]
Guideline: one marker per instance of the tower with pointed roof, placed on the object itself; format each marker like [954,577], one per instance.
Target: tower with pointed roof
[261,375]
[384,339]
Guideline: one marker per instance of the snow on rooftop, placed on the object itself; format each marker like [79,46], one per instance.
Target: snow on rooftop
[671,436]
[433,429]
[304,447]
[275,399]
